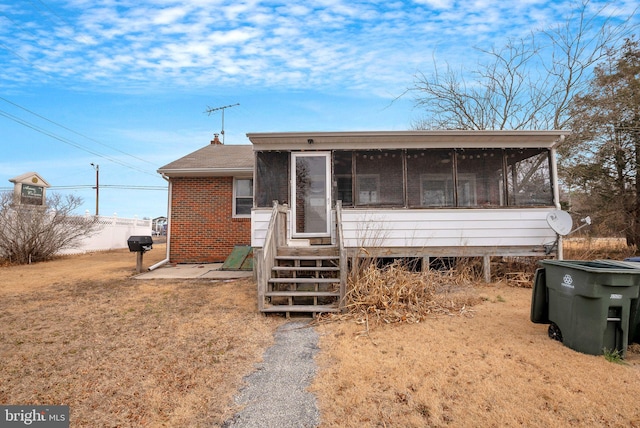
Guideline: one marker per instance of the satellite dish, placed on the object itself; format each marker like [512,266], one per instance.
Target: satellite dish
[560,222]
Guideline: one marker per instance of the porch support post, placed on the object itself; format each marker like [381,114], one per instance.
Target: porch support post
[425,263]
[556,195]
[486,268]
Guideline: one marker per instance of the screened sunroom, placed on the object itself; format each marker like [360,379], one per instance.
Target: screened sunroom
[408,193]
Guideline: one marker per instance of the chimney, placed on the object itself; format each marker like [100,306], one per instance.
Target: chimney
[216,140]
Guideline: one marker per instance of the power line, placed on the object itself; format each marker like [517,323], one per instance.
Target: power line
[108,186]
[72,143]
[72,131]
[89,186]
[45,118]
[22,58]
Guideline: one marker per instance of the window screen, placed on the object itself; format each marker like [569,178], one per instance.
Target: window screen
[379,178]
[342,177]
[430,178]
[479,178]
[528,177]
[272,178]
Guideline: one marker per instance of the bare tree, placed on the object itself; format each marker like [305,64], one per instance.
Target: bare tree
[527,84]
[33,233]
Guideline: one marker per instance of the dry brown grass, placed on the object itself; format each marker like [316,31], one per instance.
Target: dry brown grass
[493,368]
[395,293]
[490,367]
[596,248]
[124,352]
[519,271]
[129,353]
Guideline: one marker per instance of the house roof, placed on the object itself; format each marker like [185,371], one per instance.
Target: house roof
[213,160]
[235,160]
[405,139]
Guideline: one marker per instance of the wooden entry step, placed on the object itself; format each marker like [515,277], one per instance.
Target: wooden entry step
[303,294]
[304,280]
[305,268]
[312,251]
[312,309]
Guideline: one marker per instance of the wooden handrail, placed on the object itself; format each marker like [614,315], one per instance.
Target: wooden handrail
[342,253]
[275,236]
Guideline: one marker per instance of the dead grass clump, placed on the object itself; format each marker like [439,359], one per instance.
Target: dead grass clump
[394,294]
[516,271]
[596,248]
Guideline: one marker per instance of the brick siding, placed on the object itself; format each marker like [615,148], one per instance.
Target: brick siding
[203,229]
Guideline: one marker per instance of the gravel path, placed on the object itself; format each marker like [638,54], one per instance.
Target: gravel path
[275,395]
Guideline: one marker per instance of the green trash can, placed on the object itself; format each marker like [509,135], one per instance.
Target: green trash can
[634,314]
[540,298]
[590,303]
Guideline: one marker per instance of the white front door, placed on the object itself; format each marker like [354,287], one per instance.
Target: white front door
[311,194]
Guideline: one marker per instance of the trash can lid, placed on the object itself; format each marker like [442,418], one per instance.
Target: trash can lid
[596,266]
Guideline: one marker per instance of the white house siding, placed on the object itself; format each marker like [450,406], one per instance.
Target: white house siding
[472,231]
[259,225]
[447,228]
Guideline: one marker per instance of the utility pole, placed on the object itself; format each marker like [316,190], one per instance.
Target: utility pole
[97,168]
[210,110]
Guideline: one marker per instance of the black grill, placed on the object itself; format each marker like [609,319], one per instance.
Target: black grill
[140,244]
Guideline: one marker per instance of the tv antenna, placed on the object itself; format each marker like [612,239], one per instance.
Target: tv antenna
[210,110]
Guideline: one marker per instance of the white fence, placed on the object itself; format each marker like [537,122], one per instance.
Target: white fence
[112,233]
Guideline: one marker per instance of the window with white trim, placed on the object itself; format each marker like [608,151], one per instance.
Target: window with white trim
[242,197]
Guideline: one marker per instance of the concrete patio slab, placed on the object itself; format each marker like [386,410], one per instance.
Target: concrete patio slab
[194,271]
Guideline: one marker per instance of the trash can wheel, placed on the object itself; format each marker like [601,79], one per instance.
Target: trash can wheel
[554,332]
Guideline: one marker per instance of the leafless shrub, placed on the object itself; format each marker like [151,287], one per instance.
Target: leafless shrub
[33,233]
[515,271]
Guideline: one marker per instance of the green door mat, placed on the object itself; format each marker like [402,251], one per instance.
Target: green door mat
[241,258]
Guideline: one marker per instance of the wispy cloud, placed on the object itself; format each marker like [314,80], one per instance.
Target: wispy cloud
[332,43]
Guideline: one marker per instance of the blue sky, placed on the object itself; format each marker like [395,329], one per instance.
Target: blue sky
[125,83]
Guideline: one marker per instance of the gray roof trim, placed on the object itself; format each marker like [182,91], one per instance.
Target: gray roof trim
[206,172]
[404,139]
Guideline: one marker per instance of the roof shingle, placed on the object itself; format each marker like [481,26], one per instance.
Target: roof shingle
[213,159]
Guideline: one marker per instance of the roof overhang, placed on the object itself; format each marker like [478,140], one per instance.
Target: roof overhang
[405,140]
[206,172]
[30,178]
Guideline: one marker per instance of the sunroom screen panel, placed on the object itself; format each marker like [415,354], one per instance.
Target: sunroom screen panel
[430,178]
[272,178]
[480,180]
[529,177]
[379,178]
